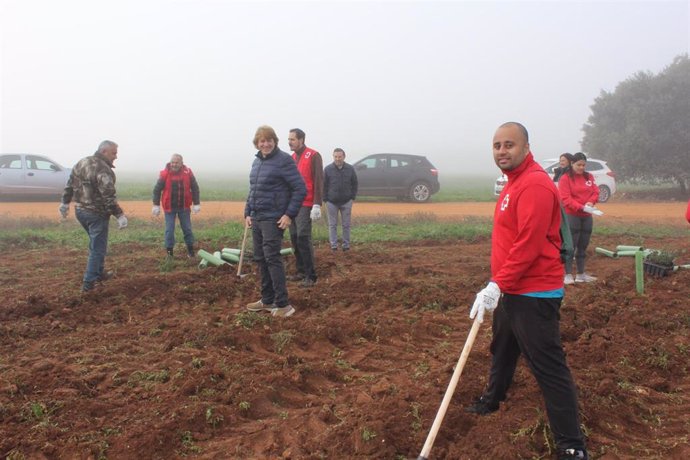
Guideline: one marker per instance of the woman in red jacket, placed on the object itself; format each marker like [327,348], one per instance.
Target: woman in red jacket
[579,194]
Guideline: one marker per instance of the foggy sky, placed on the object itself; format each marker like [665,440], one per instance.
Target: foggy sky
[198,77]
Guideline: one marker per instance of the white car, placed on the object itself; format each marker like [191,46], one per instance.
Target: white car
[603,176]
[27,174]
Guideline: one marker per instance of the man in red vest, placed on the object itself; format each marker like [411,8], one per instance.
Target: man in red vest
[310,166]
[180,195]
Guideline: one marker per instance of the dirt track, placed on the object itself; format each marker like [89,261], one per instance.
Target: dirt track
[667,213]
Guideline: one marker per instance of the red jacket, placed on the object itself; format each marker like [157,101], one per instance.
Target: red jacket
[687,213]
[576,191]
[310,166]
[525,242]
[179,189]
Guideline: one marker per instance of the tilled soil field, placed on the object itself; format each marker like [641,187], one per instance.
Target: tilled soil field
[161,364]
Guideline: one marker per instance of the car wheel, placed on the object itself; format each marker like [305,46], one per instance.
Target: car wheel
[420,192]
[604,194]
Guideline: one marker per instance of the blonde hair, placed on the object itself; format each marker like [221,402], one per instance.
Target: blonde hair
[264,132]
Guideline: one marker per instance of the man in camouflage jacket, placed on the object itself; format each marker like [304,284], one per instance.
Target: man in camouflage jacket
[91,186]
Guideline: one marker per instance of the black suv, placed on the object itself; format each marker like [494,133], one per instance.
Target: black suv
[395,174]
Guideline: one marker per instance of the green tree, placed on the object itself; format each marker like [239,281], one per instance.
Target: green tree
[643,127]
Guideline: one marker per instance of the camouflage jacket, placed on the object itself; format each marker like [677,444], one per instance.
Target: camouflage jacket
[91,186]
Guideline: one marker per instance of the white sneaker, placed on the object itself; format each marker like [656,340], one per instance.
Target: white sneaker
[584,278]
[568,279]
[283,312]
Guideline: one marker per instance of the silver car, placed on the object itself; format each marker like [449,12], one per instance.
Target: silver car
[23,174]
[603,176]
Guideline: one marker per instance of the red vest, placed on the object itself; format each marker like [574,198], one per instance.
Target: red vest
[306,169]
[183,177]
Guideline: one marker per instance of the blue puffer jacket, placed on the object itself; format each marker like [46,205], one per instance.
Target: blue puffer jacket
[275,187]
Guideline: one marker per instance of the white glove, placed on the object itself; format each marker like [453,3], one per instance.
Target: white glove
[196,208]
[121,222]
[592,210]
[64,210]
[315,213]
[156,210]
[486,301]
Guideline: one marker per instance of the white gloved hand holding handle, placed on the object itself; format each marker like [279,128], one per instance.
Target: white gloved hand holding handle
[486,301]
[121,222]
[592,210]
[315,213]
[156,210]
[196,208]
[64,210]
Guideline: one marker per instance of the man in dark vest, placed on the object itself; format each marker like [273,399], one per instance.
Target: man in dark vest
[339,190]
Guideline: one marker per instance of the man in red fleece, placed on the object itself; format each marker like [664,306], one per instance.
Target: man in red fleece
[526,290]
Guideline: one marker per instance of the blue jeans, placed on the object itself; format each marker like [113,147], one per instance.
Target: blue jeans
[300,237]
[345,211]
[185,224]
[268,239]
[96,227]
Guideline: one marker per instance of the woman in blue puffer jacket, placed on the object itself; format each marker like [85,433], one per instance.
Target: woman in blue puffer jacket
[276,192]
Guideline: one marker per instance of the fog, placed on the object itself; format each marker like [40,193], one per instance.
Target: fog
[198,77]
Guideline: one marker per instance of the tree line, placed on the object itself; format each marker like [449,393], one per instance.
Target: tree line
[643,126]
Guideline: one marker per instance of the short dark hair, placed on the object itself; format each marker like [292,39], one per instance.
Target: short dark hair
[522,129]
[338,149]
[299,132]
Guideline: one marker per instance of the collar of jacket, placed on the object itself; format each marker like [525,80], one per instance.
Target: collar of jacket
[529,159]
[102,157]
[270,155]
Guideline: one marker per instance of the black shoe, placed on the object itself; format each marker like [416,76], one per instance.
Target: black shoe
[106,276]
[87,286]
[482,406]
[190,251]
[169,251]
[572,454]
[307,283]
[334,249]
[295,277]
[346,249]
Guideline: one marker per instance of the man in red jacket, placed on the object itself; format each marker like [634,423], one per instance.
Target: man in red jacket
[310,166]
[178,192]
[526,290]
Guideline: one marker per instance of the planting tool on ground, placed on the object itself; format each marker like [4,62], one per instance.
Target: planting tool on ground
[244,242]
[424,455]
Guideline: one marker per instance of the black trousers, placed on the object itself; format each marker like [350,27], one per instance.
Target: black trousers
[530,326]
[581,230]
[300,237]
[267,239]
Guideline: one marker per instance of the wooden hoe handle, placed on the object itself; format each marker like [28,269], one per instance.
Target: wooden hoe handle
[424,455]
[244,242]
